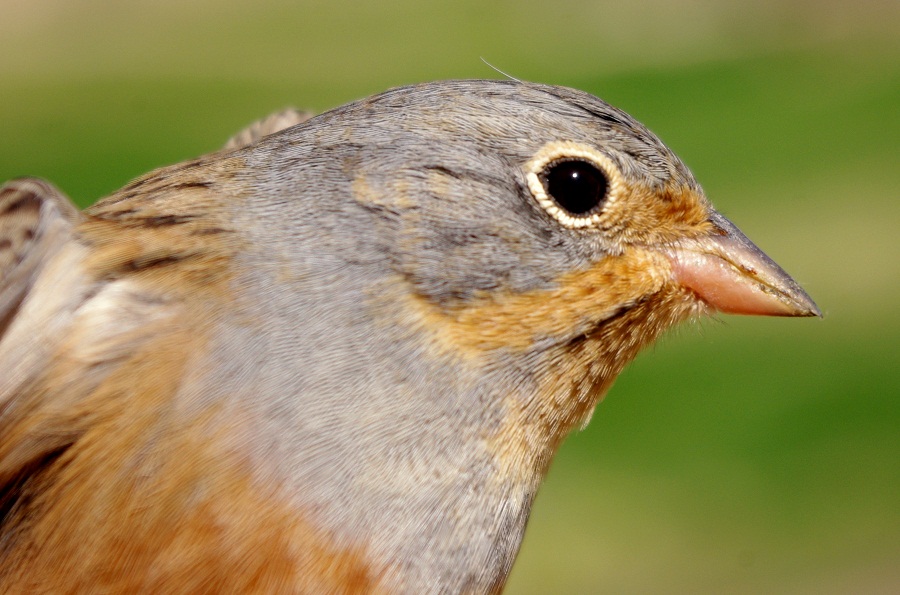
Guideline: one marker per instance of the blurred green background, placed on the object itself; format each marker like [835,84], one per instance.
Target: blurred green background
[739,455]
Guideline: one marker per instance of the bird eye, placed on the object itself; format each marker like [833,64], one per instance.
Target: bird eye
[574,183]
[577,186]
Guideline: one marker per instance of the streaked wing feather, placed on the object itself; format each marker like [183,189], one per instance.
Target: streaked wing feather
[35,220]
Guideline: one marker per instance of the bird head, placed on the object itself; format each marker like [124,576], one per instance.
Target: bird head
[537,230]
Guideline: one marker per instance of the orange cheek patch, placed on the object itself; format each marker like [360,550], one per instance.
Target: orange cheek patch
[573,380]
[578,303]
[655,216]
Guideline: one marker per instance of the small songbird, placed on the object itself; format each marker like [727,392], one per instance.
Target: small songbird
[339,358]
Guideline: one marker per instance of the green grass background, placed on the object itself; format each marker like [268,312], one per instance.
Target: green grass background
[737,456]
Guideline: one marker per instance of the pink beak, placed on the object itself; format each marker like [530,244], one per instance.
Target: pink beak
[728,272]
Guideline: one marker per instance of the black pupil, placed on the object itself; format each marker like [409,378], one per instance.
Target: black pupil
[576,186]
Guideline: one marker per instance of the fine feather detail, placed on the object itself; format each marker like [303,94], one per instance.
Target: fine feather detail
[35,220]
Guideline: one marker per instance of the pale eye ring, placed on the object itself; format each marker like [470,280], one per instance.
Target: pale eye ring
[574,183]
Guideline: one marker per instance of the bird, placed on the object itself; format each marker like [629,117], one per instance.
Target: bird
[339,355]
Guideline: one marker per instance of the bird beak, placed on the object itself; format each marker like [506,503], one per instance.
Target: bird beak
[728,272]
